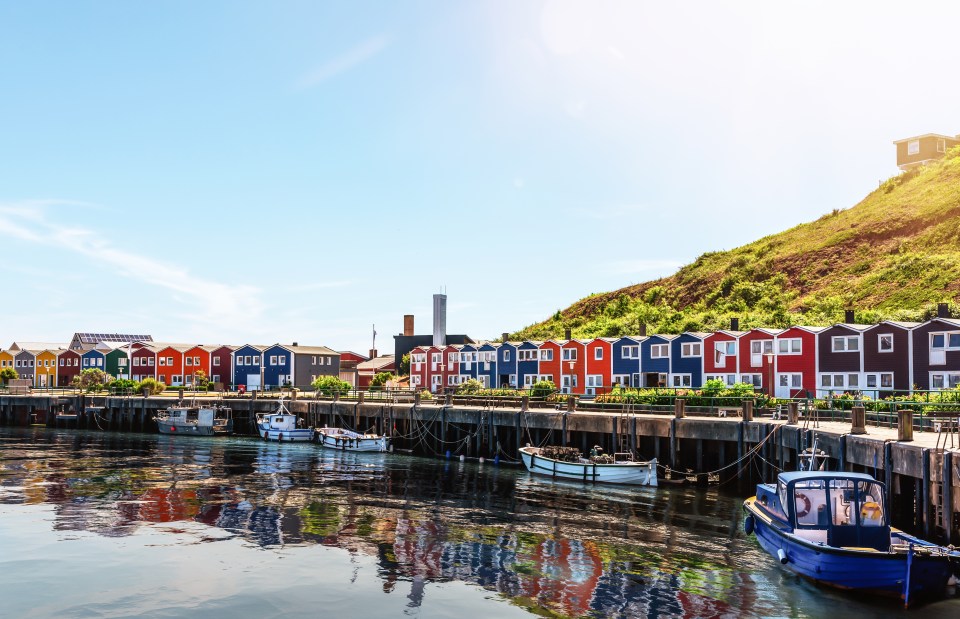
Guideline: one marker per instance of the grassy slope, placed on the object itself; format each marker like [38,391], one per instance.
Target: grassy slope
[894,255]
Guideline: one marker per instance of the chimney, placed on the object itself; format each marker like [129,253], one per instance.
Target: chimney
[504,337]
[373,353]
[943,310]
[566,333]
[643,329]
[295,344]
[439,320]
[408,324]
[734,324]
[848,317]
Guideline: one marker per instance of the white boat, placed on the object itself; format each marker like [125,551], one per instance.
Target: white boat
[348,440]
[195,420]
[623,470]
[281,425]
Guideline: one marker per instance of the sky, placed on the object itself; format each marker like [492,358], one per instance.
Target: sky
[259,172]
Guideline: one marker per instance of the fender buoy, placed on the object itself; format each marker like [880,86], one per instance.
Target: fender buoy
[173,428]
[806,505]
[748,525]
[280,437]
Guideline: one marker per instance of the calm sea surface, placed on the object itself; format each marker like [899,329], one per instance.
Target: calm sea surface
[119,525]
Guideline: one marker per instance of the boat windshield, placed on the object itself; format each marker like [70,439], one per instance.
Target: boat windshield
[842,502]
[810,503]
[870,502]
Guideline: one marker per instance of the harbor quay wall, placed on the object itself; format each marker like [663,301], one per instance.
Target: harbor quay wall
[922,474]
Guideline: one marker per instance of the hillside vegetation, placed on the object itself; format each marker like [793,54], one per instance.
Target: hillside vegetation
[894,255]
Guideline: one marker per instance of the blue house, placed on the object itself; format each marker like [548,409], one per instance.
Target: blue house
[626,361]
[487,364]
[468,362]
[93,359]
[277,366]
[528,364]
[507,365]
[655,360]
[686,366]
[246,366]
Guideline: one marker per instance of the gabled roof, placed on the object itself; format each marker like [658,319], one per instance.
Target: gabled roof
[927,135]
[34,346]
[93,338]
[813,330]
[901,324]
[949,321]
[770,332]
[733,334]
[851,326]
[377,363]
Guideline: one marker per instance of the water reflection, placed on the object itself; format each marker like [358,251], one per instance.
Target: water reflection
[557,548]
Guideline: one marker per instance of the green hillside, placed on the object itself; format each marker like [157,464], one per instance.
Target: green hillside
[894,255]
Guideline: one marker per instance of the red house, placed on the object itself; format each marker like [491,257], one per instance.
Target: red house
[196,359]
[599,366]
[419,367]
[549,368]
[795,363]
[573,366]
[220,369]
[756,358]
[68,366]
[170,364]
[721,353]
[144,361]
[451,367]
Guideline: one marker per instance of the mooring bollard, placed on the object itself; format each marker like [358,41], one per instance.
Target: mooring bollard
[858,420]
[416,398]
[904,425]
[748,410]
[793,413]
[336,396]
[571,403]
[679,408]
[448,399]
[361,396]
[524,402]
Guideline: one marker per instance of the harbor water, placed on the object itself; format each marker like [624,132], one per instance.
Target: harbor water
[96,524]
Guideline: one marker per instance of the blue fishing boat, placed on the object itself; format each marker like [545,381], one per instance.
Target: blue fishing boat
[834,528]
[282,426]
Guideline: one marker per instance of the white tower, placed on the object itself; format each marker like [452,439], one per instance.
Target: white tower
[439,320]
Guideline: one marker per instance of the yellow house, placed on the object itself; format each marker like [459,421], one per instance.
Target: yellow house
[6,359]
[45,371]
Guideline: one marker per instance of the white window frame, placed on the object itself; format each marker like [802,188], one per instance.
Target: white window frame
[913,147]
[947,380]
[657,351]
[546,354]
[691,349]
[681,381]
[790,346]
[841,343]
[506,356]
[569,354]
[598,354]
[885,336]
[941,145]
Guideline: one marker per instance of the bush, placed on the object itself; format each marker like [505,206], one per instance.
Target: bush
[542,389]
[153,386]
[381,379]
[8,374]
[470,387]
[425,394]
[328,385]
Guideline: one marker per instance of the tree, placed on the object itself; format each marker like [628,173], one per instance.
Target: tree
[152,385]
[470,387]
[8,374]
[404,367]
[93,379]
[381,379]
[201,380]
[328,385]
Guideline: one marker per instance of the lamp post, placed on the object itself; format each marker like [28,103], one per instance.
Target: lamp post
[572,364]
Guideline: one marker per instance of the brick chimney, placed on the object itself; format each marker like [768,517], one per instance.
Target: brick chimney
[373,353]
[943,310]
[408,324]
[504,336]
[566,334]
[643,329]
[848,317]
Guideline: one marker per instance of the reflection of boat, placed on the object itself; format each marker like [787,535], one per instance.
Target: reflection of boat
[621,470]
[833,528]
[195,420]
[348,440]
[281,425]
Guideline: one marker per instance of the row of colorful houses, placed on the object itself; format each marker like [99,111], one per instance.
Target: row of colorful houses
[253,366]
[800,361]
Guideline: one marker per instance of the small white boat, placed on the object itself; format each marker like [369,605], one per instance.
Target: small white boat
[195,420]
[623,470]
[348,440]
[281,425]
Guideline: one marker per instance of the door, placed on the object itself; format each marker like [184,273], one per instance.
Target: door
[789,385]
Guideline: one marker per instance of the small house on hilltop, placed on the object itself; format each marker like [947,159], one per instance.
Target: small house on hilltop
[922,149]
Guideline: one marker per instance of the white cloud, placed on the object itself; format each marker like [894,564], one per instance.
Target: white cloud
[205,302]
[349,59]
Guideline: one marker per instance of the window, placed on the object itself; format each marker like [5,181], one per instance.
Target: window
[546,355]
[690,349]
[256,360]
[722,350]
[451,358]
[660,351]
[598,354]
[122,362]
[513,379]
[941,145]
[527,355]
[680,380]
[630,352]
[100,362]
[188,361]
[248,360]
[944,380]
[216,362]
[885,342]
[884,380]
[506,357]
[595,380]
[913,147]
[163,361]
[759,348]
[273,360]
[845,343]
[313,361]
[569,354]
[170,361]
[789,346]
[61,363]
[435,358]
[150,361]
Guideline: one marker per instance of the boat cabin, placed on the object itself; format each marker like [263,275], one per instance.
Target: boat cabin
[834,508]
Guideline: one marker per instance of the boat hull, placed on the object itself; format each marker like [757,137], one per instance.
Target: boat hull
[298,435]
[853,569]
[634,473]
[184,429]
[343,442]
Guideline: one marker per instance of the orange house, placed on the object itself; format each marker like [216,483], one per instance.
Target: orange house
[196,359]
[170,365]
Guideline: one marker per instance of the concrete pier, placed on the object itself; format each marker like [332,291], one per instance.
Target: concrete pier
[920,468]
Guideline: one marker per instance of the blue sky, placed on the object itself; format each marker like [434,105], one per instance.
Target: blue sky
[298,171]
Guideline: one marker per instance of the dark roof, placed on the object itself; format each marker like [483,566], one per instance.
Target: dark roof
[792,476]
[93,338]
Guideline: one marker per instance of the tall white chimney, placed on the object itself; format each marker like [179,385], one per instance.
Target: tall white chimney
[439,320]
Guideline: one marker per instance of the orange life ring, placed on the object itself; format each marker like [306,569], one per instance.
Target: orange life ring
[806,505]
